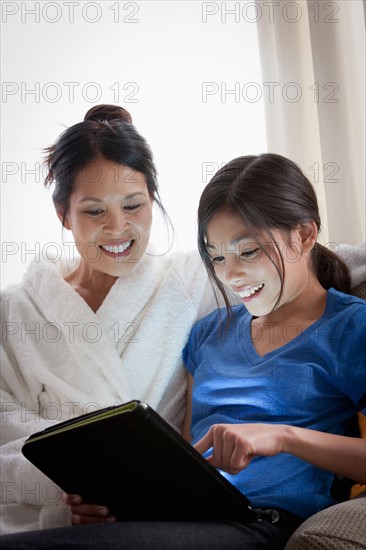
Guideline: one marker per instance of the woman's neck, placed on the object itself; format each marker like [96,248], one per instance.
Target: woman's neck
[93,286]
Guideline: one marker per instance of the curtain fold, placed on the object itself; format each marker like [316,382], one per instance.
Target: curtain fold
[313,61]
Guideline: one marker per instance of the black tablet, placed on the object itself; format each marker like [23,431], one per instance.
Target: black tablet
[127,457]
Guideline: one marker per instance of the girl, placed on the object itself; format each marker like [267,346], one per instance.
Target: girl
[274,384]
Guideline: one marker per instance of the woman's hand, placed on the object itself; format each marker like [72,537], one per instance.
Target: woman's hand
[234,445]
[86,513]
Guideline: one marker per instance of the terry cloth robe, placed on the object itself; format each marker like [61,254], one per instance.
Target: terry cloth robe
[60,359]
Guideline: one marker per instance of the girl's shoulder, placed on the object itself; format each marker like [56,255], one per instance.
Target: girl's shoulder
[343,300]
[221,320]
[345,315]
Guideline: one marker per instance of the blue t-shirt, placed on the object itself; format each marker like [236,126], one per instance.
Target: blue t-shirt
[316,381]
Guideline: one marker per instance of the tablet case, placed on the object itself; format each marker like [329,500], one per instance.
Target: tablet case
[127,457]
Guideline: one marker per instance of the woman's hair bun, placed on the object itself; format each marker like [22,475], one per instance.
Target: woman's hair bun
[108,112]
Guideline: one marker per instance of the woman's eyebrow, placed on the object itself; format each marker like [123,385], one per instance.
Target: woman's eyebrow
[98,199]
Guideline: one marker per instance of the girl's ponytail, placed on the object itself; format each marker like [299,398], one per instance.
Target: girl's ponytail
[330,269]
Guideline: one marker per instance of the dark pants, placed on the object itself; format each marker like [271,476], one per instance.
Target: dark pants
[258,535]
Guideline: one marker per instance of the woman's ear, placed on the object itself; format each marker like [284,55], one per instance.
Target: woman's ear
[61,216]
[308,232]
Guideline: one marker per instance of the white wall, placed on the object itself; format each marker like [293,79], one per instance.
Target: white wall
[155,59]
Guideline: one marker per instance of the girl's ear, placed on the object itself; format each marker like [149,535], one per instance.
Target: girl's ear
[308,234]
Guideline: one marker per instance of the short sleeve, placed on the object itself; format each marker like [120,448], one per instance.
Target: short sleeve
[202,330]
[189,353]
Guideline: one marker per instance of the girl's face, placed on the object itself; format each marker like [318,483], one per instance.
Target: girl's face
[110,216]
[242,266]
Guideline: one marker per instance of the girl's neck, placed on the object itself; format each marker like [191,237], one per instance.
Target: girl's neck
[287,322]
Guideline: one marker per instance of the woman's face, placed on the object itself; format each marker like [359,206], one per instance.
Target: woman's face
[242,266]
[110,216]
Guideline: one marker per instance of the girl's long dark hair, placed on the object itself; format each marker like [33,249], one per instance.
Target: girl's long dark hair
[266,192]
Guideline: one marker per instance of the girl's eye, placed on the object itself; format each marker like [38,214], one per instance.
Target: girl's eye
[249,254]
[218,260]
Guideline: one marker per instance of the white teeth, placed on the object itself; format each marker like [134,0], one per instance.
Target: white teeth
[249,291]
[118,248]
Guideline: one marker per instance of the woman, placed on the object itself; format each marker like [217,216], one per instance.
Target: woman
[102,329]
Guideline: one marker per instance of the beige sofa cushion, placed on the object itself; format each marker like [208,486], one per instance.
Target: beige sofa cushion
[340,527]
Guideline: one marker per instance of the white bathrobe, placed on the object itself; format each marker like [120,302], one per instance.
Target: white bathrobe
[60,359]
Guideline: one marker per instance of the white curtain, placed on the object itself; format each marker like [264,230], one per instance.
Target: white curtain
[313,70]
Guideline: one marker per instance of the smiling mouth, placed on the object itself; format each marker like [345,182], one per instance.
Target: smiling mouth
[249,292]
[119,249]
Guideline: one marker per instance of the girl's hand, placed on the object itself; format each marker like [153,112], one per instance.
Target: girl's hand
[234,445]
[86,513]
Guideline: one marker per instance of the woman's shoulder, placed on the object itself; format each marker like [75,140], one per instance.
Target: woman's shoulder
[186,266]
[9,292]
[11,297]
[41,273]
[186,259]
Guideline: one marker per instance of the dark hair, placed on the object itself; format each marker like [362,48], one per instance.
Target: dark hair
[107,131]
[267,192]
